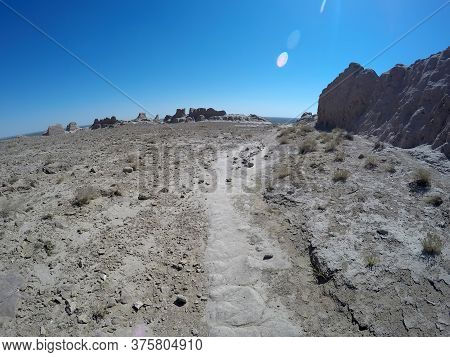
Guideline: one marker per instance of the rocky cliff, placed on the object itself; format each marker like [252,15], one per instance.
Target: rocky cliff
[406,106]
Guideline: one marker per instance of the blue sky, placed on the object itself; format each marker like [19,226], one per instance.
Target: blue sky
[178,53]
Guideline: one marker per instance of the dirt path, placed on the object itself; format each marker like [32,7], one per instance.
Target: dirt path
[240,303]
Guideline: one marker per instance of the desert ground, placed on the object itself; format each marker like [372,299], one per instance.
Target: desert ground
[222,229]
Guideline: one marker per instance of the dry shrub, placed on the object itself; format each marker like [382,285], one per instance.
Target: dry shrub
[283,172]
[370,163]
[286,131]
[422,178]
[308,145]
[132,157]
[432,244]
[325,137]
[331,146]
[284,140]
[390,167]
[339,157]
[379,145]
[340,175]
[84,195]
[434,200]
[9,207]
[304,130]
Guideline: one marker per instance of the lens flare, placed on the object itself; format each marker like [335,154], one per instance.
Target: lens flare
[293,39]
[282,59]
[322,7]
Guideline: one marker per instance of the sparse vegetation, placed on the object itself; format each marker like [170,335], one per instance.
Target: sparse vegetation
[84,195]
[330,146]
[390,167]
[422,178]
[132,157]
[8,207]
[370,163]
[325,137]
[339,157]
[379,145]
[340,175]
[284,141]
[432,244]
[434,200]
[283,172]
[304,130]
[348,136]
[371,261]
[99,312]
[308,145]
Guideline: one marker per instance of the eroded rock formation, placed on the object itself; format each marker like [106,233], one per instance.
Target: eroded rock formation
[72,126]
[202,114]
[54,130]
[406,106]
[104,123]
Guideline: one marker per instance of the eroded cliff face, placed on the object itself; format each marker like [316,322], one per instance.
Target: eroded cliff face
[406,106]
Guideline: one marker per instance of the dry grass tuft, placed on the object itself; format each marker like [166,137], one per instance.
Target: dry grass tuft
[340,175]
[422,178]
[390,167]
[9,207]
[371,261]
[84,195]
[283,172]
[432,244]
[331,146]
[370,163]
[308,145]
[434,200]
[339,157]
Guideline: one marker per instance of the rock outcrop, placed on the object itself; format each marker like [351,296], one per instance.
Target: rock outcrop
[72,126]
[104,123]
[406,106]
[207,113]
[141,117]
[202,114]
[54,130]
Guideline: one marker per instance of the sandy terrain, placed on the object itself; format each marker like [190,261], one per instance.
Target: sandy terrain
[221,229]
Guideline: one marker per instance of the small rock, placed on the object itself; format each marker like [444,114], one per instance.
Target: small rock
[144,197]
[361,156]
[92,170]
[268,256]
[137,305]
[43,331]
[194,332]
[128,170]
[101,251]
[70,307]
[228,180]
[382,232]
[82,319]
[180,301]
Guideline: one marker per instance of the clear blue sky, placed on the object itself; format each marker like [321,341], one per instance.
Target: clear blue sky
[219,53]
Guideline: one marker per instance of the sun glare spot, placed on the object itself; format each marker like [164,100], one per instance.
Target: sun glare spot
[293,39]
[282,59]
[322,7]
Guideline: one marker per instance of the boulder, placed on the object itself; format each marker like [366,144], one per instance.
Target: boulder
[407,106]
[54,130]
